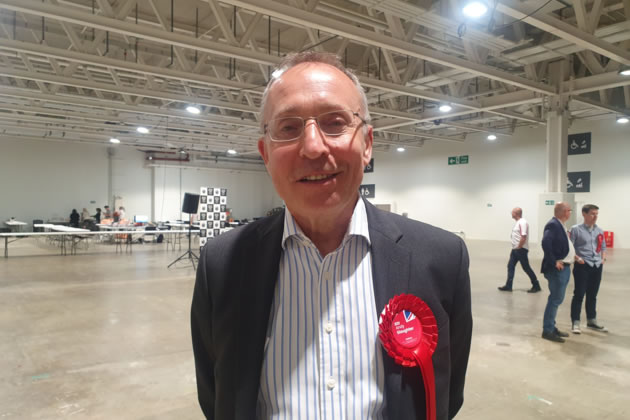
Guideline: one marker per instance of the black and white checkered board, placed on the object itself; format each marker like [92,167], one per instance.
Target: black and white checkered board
[212,213]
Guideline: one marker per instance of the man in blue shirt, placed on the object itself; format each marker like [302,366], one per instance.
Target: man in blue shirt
[590,248]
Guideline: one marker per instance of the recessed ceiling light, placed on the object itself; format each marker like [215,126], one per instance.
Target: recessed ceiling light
[625,72]
[622,120]
[492,137]
[114,140]
[445,108]
[231,152]
[193,110]
[475,9]
[142,130]
[400,149]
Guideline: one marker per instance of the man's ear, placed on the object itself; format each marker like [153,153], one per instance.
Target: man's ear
[369,139]
[262,150]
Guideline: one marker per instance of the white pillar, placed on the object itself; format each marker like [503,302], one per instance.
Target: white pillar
[557,145]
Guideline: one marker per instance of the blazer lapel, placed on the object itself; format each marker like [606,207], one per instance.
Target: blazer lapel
[257,286]
[390,276]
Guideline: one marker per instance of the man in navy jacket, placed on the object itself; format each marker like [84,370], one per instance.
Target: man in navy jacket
[556,267]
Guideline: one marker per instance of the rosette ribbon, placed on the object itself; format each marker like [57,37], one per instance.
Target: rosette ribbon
[600,240]
[409,334]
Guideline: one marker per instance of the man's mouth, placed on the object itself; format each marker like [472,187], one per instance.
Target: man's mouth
[316,178]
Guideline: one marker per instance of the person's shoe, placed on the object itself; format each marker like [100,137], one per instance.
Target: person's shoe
[575,329]
[592,324]
[534,289]
[560,333]
[551,336]
[504,288]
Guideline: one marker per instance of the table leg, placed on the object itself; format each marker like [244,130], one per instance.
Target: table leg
[6,247]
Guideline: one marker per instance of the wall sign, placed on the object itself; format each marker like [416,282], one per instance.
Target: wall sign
[458,160]
[579,181]
[367,190]
[580,144]
[369,167]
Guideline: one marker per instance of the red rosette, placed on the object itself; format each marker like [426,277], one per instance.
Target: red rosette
[409,334]
[600,240]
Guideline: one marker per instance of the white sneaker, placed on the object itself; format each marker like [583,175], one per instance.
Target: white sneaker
[576,328]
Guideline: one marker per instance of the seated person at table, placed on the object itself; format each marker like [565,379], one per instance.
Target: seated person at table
[85,215]
[74,218]
[107,213]
[97,216]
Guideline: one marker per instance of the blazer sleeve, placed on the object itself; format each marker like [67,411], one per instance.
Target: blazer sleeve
[549,235]
[201,331]
[460,334]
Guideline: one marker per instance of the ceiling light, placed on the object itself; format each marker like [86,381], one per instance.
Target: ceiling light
[624,72]
[622,120]
[182,151]
[231,152]
[445,108]
[475,9]
[193,110]
[114,140]
[400,149]
[142,130]
[492,137]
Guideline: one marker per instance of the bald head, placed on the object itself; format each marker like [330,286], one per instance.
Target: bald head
[517,213]
[562,211]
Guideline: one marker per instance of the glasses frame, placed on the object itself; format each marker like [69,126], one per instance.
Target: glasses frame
[316,119]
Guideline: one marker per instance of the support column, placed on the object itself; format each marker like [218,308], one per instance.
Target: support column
[557,144]
[556,151]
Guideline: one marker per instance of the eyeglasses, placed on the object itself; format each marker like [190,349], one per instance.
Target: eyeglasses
[332,124]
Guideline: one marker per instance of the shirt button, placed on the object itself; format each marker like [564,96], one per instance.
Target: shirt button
[331,383]
[327,276]
[328,328]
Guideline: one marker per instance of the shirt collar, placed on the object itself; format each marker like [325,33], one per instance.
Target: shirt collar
[358,226]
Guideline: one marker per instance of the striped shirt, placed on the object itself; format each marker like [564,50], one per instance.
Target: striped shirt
[322,357]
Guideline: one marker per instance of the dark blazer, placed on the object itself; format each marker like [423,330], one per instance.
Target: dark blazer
[233,295]
[555,244]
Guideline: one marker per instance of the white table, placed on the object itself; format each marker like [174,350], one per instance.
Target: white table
[15,225]
[74,233]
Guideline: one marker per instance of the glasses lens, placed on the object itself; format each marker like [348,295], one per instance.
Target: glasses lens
[335,123]
[285,129]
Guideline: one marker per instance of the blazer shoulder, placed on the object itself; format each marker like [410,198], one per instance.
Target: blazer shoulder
[249,234]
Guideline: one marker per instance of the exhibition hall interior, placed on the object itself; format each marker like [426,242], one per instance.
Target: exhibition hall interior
[129,139]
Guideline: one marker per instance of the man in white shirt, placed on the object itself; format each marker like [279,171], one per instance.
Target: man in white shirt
[285,310]
[520,249]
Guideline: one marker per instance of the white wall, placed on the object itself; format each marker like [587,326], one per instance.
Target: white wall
[506,173]
[250,194]
[43,180]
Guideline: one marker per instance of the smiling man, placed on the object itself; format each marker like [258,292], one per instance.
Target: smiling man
[285,310]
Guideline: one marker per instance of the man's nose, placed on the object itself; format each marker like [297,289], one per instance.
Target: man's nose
[313,143]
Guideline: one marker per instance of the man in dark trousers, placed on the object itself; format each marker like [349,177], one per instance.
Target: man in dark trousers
[590,247]
[520,249]
[556,267]
[285,312]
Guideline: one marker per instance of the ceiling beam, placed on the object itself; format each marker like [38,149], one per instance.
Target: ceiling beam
[71,15]
[562,30]
[363,36]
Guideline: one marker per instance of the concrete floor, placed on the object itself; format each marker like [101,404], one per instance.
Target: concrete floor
[104,336]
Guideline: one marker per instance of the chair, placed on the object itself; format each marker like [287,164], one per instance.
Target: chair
[37,222]
[151,235]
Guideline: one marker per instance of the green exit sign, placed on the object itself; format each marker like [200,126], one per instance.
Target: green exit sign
[458,160]
[549,202]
